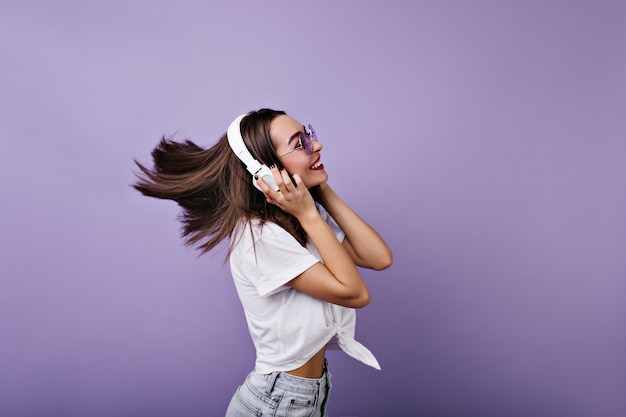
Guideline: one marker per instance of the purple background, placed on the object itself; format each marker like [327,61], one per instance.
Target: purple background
[484,140]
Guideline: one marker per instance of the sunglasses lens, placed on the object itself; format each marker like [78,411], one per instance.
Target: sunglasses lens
[311,133]
[306,143]
[306,138]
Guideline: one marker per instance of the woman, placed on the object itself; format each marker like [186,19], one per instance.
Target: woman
[294,251]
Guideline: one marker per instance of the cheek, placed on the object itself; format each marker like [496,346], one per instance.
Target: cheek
[291,171]
[296,167]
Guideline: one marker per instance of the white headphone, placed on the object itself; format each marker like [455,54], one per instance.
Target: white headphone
[253,166]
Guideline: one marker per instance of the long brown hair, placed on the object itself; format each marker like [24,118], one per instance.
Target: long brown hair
[212,186]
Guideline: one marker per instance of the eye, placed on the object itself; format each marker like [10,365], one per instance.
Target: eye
[299,144]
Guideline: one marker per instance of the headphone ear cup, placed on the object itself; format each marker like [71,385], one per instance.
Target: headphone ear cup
[267,176]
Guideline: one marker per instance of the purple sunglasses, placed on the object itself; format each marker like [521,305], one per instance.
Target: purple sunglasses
[304,141]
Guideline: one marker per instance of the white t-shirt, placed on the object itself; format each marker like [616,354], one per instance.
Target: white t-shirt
[287,326]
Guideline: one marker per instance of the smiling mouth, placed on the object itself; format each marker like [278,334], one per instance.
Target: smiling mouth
[317,165]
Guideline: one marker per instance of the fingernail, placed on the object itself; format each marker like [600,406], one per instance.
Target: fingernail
[272,166]
[256,177]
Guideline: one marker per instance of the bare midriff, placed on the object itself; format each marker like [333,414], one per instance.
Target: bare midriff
[314,368]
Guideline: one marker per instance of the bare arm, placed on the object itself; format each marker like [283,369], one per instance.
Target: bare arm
[365,246]
[337,280]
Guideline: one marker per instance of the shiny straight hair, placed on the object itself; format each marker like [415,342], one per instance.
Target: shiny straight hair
[213,188]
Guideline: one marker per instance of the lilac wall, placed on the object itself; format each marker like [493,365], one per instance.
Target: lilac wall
[485,140]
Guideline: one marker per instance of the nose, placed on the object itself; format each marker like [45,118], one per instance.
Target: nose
[317,146]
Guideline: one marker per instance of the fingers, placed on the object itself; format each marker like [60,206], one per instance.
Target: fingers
[282,180]
[267,190]
[298,180]
[292,195]
[288,188]
[286,179]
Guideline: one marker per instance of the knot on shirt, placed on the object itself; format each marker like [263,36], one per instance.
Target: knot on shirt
[348,344]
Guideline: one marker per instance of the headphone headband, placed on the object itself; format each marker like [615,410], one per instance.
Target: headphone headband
[235,140]
[254,167]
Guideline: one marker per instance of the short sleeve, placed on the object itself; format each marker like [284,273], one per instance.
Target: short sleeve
[274,259]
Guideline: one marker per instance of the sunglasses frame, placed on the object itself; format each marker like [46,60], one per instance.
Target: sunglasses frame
[305,141]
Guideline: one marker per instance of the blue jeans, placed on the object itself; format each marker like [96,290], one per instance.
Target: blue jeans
[280,395]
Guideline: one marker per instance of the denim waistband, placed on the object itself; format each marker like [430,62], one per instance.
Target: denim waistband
[290,383]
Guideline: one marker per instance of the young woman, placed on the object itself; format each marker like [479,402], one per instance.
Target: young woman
[294,251]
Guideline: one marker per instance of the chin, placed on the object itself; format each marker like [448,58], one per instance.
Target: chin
[319,180]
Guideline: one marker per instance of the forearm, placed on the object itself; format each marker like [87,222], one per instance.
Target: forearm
[337,280]
[335,258]
[368,246]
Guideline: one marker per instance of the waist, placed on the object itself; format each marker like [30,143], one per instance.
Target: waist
[313,368]
[289,383]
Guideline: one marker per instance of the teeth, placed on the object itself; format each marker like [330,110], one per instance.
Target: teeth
[317,164]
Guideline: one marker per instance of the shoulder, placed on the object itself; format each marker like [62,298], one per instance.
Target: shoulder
[266,256]
[252,232]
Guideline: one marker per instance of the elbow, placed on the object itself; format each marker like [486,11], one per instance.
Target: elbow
[364,300]
[384,261]
[359,300]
